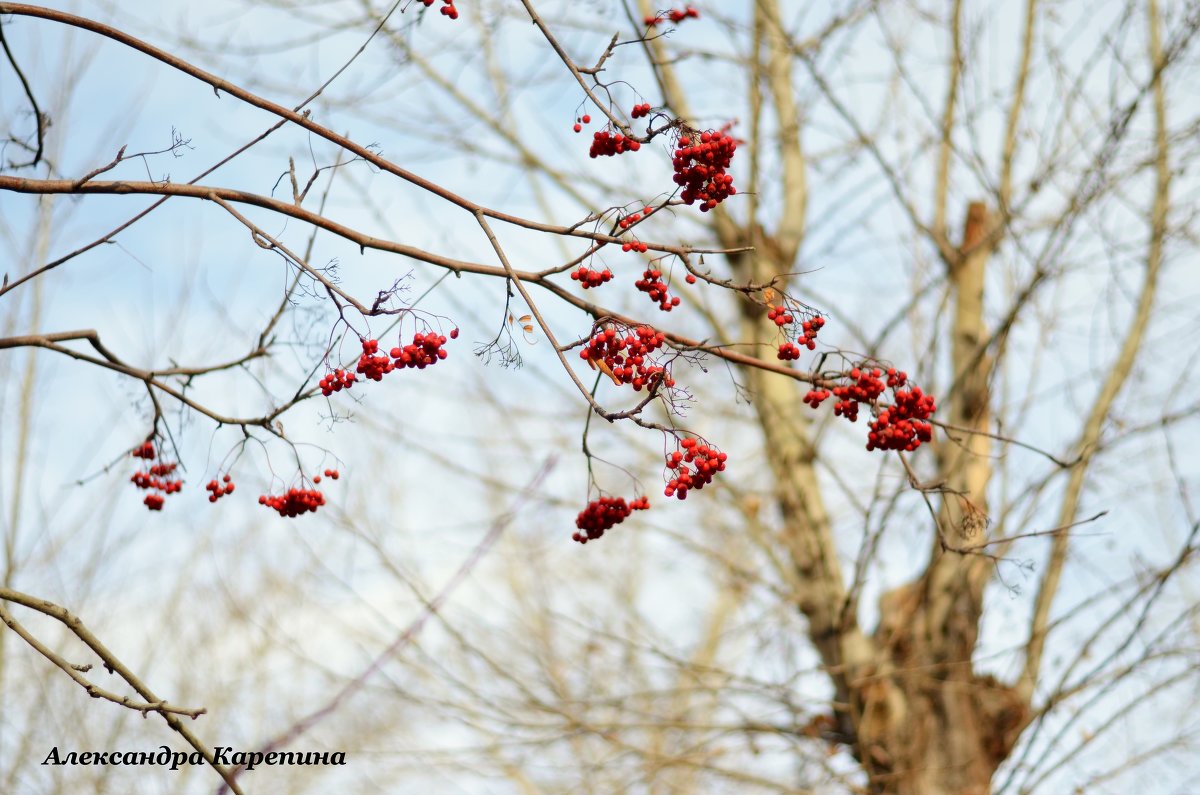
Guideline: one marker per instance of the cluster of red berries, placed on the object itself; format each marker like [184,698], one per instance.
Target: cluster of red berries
[448,9]
[652,284]
[704,461]
[636,246]
[219,490]
[156,477]
[590,278]
[585,119]
[790,351]
[145,451]
[640,111]
[780,315]
[608,144]
[630,220]
[336,381]
[424,351]
[809,330]
[373,364]
[700,169]
[900,426]
[296,502]
[629,358]
[676,15]
[815,397]
[603,514]
[867,386]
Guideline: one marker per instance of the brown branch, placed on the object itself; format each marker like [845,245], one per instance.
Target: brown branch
[946,145]
[152,702]
[211,193]
[40,120]
[790,230]
[602,107]
[235,153]
[301,120]
[1014,111]
[76,673]
[1119,373]
[515,278]
[1002,438]
[110,361]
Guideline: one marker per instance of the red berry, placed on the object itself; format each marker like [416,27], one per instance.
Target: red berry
[603,514]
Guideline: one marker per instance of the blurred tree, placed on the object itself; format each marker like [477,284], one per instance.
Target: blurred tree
[839,637]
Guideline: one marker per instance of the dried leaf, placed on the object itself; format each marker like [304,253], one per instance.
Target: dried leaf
[607,371]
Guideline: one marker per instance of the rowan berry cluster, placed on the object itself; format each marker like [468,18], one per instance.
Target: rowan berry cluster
[448,9]
[630,358]
[700,165]
[693,468]
[809,330]
[585,119]
[866,387]
[780,315]
[425,350]
[336,381]
[158,478]
[900,426]
[590,278]
[218,490]
[636,246]
[790,351]
[815,397]
[676,15]
[294,502]
[640,111]
[652,284]
[845,408]
[373,364]
[630,220]
[608,144]
[603,514]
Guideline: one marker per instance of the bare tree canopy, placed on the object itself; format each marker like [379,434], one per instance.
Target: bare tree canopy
[549,396]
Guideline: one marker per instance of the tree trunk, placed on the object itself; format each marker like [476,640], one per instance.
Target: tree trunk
[924,722]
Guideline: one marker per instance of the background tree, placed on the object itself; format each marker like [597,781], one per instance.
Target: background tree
[995,204]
